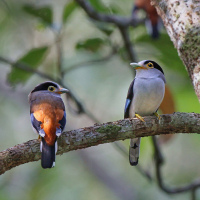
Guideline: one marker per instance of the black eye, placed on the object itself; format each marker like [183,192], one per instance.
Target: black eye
[150,65]
[51,88]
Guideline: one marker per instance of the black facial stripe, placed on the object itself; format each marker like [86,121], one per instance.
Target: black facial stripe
[147,61]
[156,65]
[44,86]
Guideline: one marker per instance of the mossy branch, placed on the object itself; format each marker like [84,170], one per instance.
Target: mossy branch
[102,133]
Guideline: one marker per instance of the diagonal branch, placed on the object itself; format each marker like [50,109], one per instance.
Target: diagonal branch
[121,188]
[102,133]
[127,43]
[114,19]
[122,23]
[90,62]
[169,189]
[27,68]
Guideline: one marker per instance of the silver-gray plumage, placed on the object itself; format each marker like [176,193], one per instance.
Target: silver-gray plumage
[147,91]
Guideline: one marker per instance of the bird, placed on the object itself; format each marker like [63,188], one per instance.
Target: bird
[48,118]
[153,22]
[144,97]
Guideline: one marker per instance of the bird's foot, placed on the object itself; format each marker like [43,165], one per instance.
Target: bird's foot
[157,115]
[41,133]
[139,117]
[58,132]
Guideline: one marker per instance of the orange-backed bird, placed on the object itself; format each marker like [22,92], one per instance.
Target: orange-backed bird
[48,118]
[153,22]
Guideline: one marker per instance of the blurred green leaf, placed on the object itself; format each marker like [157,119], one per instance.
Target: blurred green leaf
[68,10]
[45,14]
[105,28]
[99,6]
[123,54]
[168,53]
[93,44]
[33,58]
[114,9]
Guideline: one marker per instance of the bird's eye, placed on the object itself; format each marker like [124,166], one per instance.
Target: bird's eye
[51,88]
[150,65]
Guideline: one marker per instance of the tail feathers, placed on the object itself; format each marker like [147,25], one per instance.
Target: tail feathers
[48,154]
[134,151]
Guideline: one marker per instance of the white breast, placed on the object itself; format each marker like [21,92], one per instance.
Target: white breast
[148,94]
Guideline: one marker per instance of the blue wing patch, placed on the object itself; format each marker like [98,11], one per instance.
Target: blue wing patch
[128,101]
[62,122]
[35,123]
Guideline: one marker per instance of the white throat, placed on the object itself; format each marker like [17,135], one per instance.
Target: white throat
[149,73]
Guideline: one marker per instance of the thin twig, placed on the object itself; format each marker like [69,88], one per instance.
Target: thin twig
[59,53]
[159,157]
[27,68]
[127,43]
[121,188]
[193,194]
[169,190]
[125,153]
[89,62]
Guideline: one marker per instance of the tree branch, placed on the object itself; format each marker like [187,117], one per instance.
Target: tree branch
[114,19]
[102,133]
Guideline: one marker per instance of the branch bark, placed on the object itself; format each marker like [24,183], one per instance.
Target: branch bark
[102,133]
[181,20]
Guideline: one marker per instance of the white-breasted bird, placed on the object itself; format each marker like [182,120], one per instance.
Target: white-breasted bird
[144,97]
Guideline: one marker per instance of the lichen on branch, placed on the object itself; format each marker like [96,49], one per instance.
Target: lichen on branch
[181,20]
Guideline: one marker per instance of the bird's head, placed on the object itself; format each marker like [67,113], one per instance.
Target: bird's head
[50,87]
[147,65]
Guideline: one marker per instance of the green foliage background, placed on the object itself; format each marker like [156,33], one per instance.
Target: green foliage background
[29,34]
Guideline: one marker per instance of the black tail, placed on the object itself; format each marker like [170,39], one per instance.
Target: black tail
[48,155]
[134,151]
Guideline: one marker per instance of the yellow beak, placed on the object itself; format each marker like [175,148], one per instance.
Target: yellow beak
[137,66]
[62,90]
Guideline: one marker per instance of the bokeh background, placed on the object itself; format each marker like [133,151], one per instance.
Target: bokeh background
[95,66]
